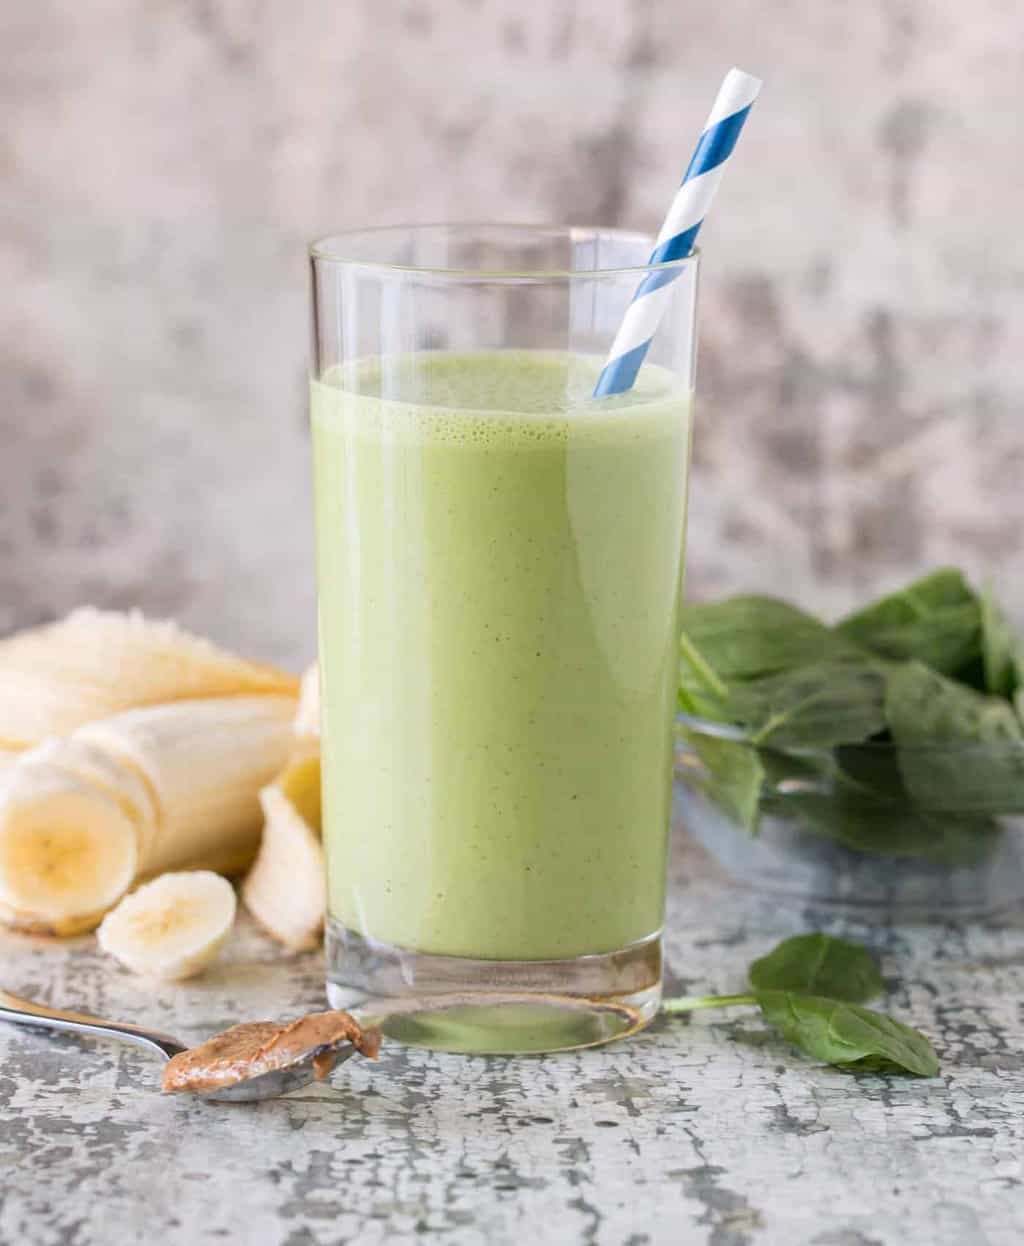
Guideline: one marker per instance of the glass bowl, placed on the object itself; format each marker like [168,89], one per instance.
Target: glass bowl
[909,833]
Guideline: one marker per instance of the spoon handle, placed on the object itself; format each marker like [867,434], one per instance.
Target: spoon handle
[26,1012]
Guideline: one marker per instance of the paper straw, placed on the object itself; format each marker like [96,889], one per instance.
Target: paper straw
[675,241]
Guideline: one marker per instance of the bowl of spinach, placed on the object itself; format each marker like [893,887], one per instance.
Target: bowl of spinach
[877,761]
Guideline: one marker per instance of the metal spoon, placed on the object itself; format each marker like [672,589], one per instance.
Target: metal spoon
[270,1085]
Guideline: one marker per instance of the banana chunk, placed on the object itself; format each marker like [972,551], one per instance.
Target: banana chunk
[285,890]
[68,850]
[97,663]
[173,927]
[161,788]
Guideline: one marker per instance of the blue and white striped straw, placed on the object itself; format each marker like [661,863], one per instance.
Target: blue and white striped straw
[675,241]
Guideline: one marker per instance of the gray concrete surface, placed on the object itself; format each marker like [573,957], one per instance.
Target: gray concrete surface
[165,162]
[707,1133]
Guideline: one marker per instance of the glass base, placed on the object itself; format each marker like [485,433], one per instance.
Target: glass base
[493,1007]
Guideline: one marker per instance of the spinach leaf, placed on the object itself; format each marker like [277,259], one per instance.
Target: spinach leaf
[798,771]
[748,636]
[871,770]
[999,649]
[972,675]
[701,692]
[878,828]
[815,706]
[922,707]
[817,964]
[959,751]
[936,620]
[843,1033]
[861,803]
[731,775]
[946,640]
[944,587]
[836,1029]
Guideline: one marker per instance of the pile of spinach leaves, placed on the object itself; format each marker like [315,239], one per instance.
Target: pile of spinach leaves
[896,732]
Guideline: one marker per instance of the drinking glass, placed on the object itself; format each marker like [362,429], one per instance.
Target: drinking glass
[499,565]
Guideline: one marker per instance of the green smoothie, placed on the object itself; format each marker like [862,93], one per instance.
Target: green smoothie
[500,559]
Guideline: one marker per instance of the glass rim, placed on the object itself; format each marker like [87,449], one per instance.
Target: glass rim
[323,250]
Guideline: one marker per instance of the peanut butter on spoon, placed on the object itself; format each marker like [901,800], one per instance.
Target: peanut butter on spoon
[257,1048]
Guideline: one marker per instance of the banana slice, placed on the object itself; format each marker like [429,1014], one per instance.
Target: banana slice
[68,850]
[96,768]
[97,663]
[173,927]
[285,890]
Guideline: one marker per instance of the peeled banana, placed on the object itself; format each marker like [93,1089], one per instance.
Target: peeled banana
[153,789]
[285,889]
[205,762]
[97,663]
[173,927]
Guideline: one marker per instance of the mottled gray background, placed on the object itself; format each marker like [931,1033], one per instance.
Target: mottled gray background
[164,162]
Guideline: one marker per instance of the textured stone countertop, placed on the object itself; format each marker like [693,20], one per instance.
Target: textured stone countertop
[698,1131]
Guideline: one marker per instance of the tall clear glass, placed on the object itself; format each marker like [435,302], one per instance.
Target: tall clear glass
[500,559]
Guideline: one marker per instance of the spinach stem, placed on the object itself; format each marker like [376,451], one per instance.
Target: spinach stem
[690,1003]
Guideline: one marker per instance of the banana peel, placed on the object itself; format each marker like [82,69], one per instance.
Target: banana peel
[97,663]
[286,888]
